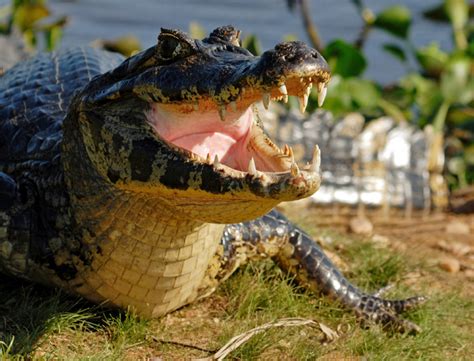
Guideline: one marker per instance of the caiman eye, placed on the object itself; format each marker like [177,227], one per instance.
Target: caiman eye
[171,47]
[168,46]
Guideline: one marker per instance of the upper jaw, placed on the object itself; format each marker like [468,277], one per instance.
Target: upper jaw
[226,77]
[217,97]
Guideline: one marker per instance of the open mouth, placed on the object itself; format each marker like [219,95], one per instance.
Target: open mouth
[229,136]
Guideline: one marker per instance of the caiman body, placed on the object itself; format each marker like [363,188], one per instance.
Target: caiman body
[125,181]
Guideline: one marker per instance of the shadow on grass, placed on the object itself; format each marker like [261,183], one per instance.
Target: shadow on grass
[28,311]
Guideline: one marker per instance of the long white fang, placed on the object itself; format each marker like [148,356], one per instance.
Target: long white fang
[266,100]
[285,98]
[252,168]
[283,89]
[208,158]
[303,100]
[316,161]
[320,87]
[295,171]
[322,96]
[222,112]
[233,106]
[216,161]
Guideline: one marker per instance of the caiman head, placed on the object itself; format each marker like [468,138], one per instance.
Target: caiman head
[177,122]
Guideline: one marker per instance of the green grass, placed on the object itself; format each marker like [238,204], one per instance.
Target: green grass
[40,323]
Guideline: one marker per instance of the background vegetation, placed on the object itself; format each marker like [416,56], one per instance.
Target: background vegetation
[437,90]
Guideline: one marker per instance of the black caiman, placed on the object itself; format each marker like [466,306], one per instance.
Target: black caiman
[124,181]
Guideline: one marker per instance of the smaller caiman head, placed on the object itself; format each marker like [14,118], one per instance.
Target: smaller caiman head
[177,122]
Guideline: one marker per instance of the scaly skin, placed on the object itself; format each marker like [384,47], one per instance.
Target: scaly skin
[106,189]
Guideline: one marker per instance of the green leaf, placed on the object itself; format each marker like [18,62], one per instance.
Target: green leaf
[432,59]
[252,44]
[26,15]
[196,30]
[426,94]
[126,45]
[396,51]
[53,37]
[365,94]
[457,82]
[352,94]
[395,19]
[400,97]
[457,11]
[470,48]
[29,37]
[290,37]
[438,13]
[469,154]
[456,165]
[392,110]
[345,59]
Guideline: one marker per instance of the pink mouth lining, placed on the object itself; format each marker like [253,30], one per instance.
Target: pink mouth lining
[206,133]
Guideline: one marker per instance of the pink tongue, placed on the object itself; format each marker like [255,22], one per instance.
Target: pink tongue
[229,150]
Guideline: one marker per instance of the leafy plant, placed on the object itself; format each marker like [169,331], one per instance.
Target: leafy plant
[440,91]
[32,18]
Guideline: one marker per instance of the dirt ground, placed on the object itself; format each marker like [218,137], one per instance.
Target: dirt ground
[441,239]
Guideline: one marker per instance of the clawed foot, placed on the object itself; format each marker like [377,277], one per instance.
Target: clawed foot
[387,313]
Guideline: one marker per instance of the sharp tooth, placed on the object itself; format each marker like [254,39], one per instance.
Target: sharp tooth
[283,89]
[222,112]
[316,161]
[196,106]
[301,80]
[309,79]
[208,158]
[308,90]
[252,168]
[286,149]
[266,100]
[303,100]
[322,96]
[295,171]
[290,154]
[216,161]
[285,98]
[233,106]
[320,87]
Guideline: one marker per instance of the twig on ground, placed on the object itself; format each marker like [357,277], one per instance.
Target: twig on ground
[239,340]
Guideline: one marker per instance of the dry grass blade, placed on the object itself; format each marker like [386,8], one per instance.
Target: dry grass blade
[239,340]
[182,344]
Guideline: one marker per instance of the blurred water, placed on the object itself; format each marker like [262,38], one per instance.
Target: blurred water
[269,19]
